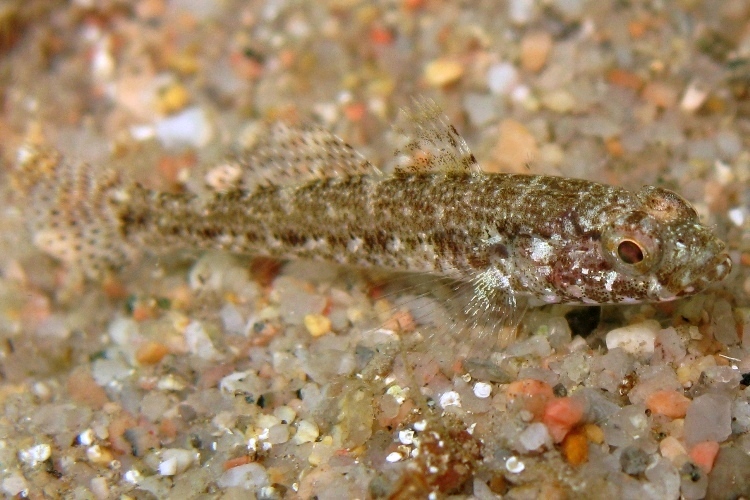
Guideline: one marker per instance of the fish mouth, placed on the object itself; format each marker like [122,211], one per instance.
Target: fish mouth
[715,271]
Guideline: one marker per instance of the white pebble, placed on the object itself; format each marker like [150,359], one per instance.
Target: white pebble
[399,394]
[168,467]
[232,319]
[737,216]
[501,78]
[215,272]
[514,465]
[176,460]
[693,98]
[41,390]
[15,485]
[248,476]
[420,425]
[170,383]
[122,331]
[724,173]
[188,128]
[142,132]
[240,382]
[86,438]
[482,390]
[35,454]
[285,413]
[450,398]
[521,11]
[307,432]
[535,436]
[266,421]
[132,476]
[635,339]
[106,371]
[268,492]
[99,487]
[328,112]
[394,457]
[406,436]
[520,93]
[199,343]
[103,63]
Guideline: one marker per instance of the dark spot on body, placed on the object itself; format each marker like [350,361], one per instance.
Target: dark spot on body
[478,261]
[209,232]
[292,238]
[499,251]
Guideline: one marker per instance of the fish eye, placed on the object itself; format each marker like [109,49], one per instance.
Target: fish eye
[630,252]
[632,244]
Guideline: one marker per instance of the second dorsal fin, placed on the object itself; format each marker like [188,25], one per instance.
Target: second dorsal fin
[280,154]
[430,143]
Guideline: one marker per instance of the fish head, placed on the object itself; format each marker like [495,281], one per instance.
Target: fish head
[660,250]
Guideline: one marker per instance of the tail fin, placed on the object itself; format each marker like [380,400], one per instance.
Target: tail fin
[73,211]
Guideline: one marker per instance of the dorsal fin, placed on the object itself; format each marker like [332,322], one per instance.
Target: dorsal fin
[280,154]
[432,144]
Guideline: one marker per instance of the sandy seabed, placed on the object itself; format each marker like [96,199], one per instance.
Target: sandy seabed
[219,376]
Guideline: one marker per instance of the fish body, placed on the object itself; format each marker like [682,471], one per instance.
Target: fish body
[304,194]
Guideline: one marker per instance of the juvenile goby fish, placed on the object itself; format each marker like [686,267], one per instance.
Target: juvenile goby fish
[303,193]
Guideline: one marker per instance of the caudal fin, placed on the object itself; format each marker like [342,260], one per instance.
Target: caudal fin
[74,211]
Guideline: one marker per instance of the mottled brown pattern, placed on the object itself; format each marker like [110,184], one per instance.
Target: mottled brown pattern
[546,235]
